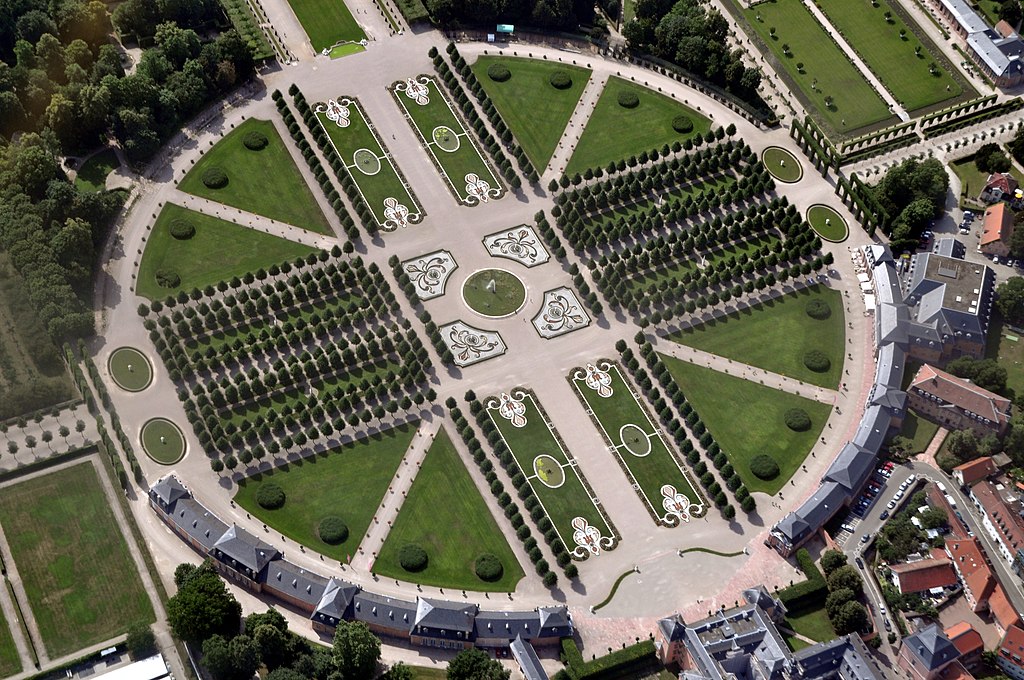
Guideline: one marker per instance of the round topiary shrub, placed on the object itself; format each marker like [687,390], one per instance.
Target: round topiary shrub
[798,420]
[167,278]
[818,309]
[254,140]
[498,72]
[270,496]
[764,467]
[488,568]
[629,100]
[560,80]
[412,557]
[182,229]
[682,124]
[332,530]
[816,360]
[215,178]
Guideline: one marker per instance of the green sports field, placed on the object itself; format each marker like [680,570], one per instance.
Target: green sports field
[347,482]
[81,582]
[326,22]
[10,662]
[445,515]
[535,110]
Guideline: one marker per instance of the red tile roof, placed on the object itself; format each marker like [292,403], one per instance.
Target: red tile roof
[1012,646]
[917,577]
[980,468]
[955,671]
[1003,181]
[1002,609]
[997,225]
[1007,523]
[962,394]
[966,639]
[970,562]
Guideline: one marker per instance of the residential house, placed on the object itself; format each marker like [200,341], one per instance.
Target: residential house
[926,653]
[958,404]
[968,642]
[975,470]
[923,576]
[526,656]
[996,230]
[1001,516]
[1011,653]
[1002,186]
[974,571]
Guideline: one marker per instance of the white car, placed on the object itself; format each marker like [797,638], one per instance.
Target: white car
[891,505]
[911,479]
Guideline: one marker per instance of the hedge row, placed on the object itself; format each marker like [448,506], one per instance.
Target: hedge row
[115,422]
[637,660]
[811,592]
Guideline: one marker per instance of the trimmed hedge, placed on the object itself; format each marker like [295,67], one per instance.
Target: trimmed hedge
[182,229]
[629,100]
[816,360]
[560,80]
[682,124]
[498,72]
[764,467]
[811,592]
[798,420]
[332,530]
[270,496]
[167,278]
[255,140]
[489,568]
[818,309]
[633,661]
[215,178]
[412,557]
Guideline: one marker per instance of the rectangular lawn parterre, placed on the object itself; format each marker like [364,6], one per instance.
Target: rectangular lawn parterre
[327,22]
[891,58]
[777,334]
[265,182]
[748,419]
[81,582]
[445,515]
[10,661]
[615,132]
[627,426]
[380,180]
[444,135]
[218,251]
[535,110]
[854,100]
[563,495]
[348,482]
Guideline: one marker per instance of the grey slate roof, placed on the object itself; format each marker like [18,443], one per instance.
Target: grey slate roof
[447,616]
[949,295]
[376,609]
[167,491]
[673,628]
[526,656]
[506,625]
[737,642]
[844,658]
[887,397]
[949,247]
[851,467]
[793,527]
[873,428]
[555,621]
[932,647]
[823,504]
[197,522]
[890,364]
[294,581]
[240,548]
[335,602]
[887,284]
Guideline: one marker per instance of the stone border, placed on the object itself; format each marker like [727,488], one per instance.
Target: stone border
[526,294]
[454,335]
[789,153]
[525,238]
[557,307]
[825,205]
[142,440]
[438,288]
[149,365]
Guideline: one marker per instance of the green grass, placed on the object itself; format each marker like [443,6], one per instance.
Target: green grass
[773,158]
[836,229]
[890,57]
[424,673]
[80,579]
[345,50]
[264,182]
[375,188]
[1009,353]
[326,22]
[467,158]
[535,111]
[854,100]
[776,335]
[568,501]
[652,471]
[130,369]
[218,251]
[614,132]
[168,451]
[972,180]
[10,661]
[446,516]
[747,419]
[811,623]
[92,176]
[348,482]
[508,296]
[919,430]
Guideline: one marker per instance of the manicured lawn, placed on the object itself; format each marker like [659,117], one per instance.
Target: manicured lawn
[570,498]
[376,176]
[776,335]
[919,430]
[218,251]
[326,22]
[748,419]
[264,182]
[445,515]
[535,110]
[162,441]
[130,369]
[891,58]
[812,623]
[972,180]
[345,50]
[81,583]
[853,99]
[508,295]
[1007,347]
[424,673]
[783,165]
[615,132]
[829,224]
[446,138]
[92,176]
[10,662]
[627,426]
[347,482]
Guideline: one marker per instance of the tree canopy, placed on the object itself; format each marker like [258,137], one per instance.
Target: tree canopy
[203,607]
[1010,299]
[475,664]
[985,373]
[912,193]
[356,650]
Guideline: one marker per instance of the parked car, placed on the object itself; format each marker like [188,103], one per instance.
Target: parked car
[860,563]
[865,538]
[891,505]
[884,515]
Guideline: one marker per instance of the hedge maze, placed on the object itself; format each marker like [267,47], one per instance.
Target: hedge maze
[282,357]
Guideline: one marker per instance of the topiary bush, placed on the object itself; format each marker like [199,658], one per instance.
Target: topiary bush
[182,229]
[488,568]
[254,140]
[818,309]
[560,80]
[816,360]
[798,420]
[167,278]
[498,72]
[682,124]
[764,467]
[215,178]
[270,496]
[332,530]
[412,557]
[629,100]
